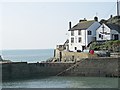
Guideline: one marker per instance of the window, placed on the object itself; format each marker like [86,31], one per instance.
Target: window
[107,33]
[72,33]
[79,39]
[99,35]
[89,32]
[79,32]
[72,40]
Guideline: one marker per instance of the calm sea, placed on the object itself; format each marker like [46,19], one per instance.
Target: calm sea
[27,55]
[52,82]
[64,82]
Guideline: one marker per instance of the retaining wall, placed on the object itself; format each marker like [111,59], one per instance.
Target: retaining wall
[95,67]
[85,67]
[72,56]
[20,70]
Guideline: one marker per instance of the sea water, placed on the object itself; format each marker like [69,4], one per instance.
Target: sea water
[55,81]
[64,82]
[31,56]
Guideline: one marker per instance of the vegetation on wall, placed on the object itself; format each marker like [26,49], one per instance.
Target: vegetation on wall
[112,46]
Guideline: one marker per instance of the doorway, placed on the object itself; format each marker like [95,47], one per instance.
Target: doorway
[116,37]
[60,56]
[83,47]
[75,48]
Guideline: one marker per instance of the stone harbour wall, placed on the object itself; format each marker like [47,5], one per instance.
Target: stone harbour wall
[20,70]
[65,56]
[106,67]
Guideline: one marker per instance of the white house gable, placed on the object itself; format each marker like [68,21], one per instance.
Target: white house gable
[108,32]
[103,33]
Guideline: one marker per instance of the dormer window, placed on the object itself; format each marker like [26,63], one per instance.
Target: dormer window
[72,33]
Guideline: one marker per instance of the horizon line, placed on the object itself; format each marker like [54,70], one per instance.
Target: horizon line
[28,49]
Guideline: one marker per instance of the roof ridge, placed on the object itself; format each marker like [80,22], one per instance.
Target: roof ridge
[82,25]
[87,21]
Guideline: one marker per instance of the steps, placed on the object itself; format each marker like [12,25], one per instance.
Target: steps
[70,68]
[93,67]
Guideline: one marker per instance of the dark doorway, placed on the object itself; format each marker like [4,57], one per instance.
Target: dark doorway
[54,52]
[60,56]
[73,58]
[75,48]
[116,37]
[83,47]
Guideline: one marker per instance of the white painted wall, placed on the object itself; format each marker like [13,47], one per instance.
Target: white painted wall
[92,28]
[105,37]
[76,43]
[86,39]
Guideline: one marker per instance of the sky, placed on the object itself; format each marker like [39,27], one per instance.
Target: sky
[42,25]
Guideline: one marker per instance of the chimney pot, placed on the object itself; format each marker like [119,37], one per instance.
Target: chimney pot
[111,16]
[69,25]
[82,20]
[96,19]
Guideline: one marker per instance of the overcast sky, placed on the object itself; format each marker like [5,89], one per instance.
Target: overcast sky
[41,25]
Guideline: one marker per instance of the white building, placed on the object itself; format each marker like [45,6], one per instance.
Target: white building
[82,34]
[108,32]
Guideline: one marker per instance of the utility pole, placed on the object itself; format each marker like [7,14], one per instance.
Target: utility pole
[118,8]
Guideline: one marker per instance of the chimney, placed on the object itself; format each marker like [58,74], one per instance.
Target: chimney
[82,20]
[111,16]
[69,25]
[96,19]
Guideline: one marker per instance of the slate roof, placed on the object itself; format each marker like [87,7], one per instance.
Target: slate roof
[114,27]
[82,25]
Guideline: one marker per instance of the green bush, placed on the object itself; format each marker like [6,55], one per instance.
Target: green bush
[113,45]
